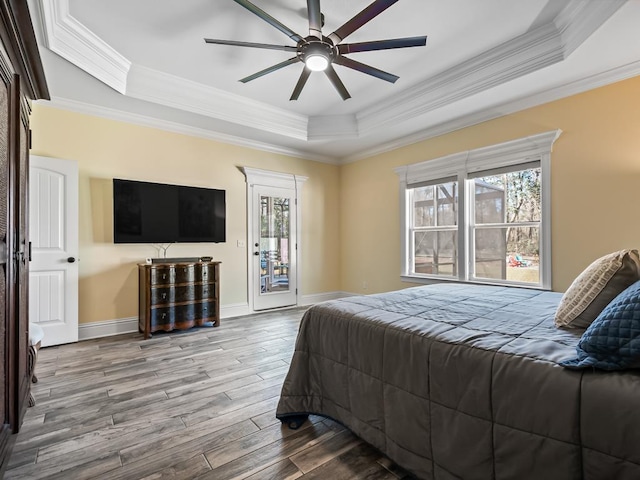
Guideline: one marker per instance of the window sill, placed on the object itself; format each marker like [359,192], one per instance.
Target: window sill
[430,280]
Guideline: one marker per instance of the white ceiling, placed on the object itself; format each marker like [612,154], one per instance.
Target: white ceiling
[146,62]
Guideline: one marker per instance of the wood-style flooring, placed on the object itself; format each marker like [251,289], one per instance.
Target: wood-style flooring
[198,404]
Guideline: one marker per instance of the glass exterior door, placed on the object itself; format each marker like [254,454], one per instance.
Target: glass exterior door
[274,248]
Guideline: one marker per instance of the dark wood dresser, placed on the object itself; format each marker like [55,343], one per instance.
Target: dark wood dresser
[178,295]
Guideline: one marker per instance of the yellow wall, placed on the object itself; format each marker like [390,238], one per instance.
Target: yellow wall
[105,149]
[595,187]
[351,221]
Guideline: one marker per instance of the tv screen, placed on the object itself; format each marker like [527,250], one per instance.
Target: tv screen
[145,212]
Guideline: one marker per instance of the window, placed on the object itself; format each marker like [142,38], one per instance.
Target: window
[480,216]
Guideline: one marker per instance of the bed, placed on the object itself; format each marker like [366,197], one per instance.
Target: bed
[463,381]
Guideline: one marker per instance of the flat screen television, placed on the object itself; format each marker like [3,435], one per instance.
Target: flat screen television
[145,212]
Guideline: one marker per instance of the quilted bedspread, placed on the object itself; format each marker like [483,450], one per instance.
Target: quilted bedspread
[462,381]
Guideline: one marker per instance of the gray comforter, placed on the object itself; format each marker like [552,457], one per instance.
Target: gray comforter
[462,381]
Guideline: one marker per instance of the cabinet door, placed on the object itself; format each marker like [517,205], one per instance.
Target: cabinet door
[5,366]
[22,260]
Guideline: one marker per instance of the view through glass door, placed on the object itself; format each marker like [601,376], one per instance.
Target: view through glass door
[274,247]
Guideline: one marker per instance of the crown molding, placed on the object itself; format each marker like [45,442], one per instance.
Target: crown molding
[180,128]
[177,92]
[513,59]
[329,127]
[536,49]
[572,88]
[67,37]
[580,19]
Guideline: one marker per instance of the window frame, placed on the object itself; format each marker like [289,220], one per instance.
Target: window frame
[465,166]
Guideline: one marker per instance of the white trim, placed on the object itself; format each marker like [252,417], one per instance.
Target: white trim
[174,127]
[461,164]
[73,41]
[536,49]
[234,310]
[268,178]
[494,156]
[524,54]
[314,298]
[177,92]
[109,328]
[331,127]
[580,19]
[572,88]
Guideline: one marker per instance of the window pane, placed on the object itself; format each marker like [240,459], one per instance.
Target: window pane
[435,205]
[423,207]
[508,253]
[435,253]
[508,198]
[447,203]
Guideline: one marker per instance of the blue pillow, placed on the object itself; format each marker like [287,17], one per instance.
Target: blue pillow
[612,341]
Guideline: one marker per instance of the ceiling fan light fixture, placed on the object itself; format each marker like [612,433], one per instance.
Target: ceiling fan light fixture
[316,62]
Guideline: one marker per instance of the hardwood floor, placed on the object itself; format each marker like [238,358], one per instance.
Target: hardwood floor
[198,404]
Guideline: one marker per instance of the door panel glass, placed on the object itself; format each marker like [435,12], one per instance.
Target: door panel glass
[275,247]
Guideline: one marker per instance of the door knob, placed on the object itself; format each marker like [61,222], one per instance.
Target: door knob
[71,259]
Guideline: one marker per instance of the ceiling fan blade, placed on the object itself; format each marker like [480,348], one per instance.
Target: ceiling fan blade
[269,19]
[369,13]
[368,69]
[336,82]
[304,76]
[315,18]
[382,45]
[273,68]
[267,46]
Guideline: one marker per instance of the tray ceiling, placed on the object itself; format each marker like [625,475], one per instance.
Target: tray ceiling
[147,62]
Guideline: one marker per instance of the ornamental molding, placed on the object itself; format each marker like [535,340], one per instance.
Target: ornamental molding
[546,45]
[180,128]
[499,155]
[172,91]
[74,42]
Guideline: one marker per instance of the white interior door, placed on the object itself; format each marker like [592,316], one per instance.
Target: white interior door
[274,247]
[53,231]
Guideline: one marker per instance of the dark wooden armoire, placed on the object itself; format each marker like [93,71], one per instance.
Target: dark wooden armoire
[22,80]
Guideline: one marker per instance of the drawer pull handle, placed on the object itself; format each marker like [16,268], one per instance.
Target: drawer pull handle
[164,276]
[164,296]
[164,315]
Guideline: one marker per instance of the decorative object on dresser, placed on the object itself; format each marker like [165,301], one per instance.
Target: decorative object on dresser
[178,295]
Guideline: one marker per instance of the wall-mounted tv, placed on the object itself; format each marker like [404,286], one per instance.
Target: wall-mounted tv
[145,212]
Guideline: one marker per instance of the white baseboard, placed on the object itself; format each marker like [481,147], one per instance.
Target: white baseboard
[108,328]
[234,310]
[322,297]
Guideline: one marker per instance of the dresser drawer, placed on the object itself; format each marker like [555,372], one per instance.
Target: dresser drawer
[206,273]
[177,317]
[162,275]
[182,293]
[185,273]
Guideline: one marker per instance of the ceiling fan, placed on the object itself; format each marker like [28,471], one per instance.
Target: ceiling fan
[319,53]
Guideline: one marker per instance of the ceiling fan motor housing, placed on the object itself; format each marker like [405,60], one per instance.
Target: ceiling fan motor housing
[315,47]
